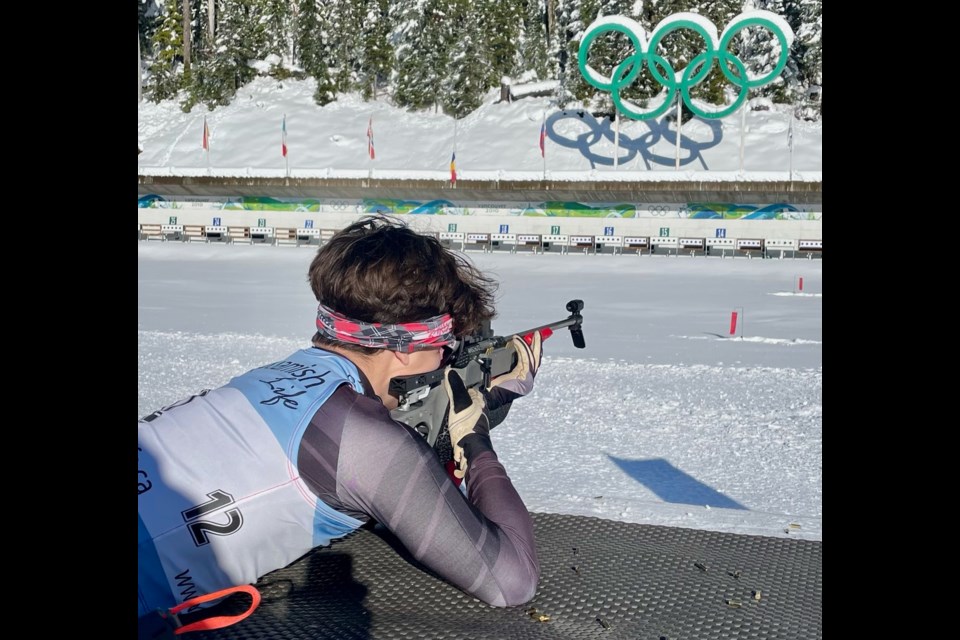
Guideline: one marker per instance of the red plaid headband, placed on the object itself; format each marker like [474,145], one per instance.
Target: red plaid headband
[406,337]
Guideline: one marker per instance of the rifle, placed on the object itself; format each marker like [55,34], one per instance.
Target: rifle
[481,357]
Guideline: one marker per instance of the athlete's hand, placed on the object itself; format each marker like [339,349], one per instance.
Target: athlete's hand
[467,415]
[519,380]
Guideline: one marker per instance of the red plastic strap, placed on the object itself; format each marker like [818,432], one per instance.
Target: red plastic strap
[544,334]
[450,467]
[216,622]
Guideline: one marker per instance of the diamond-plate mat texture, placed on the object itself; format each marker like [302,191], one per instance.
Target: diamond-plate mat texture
[599,579]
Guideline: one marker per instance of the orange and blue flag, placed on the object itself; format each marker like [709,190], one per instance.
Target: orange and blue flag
[453,167]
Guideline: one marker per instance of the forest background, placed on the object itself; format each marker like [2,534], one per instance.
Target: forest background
[446,55]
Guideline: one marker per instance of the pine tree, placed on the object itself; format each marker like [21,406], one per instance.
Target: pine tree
[199,33]
[712,89]
[307,39]
[276,20]
[534,38]
[198,89]
[326,91]
[257,40]
[377,60]
[811,39]
[578,16]
[424,65]
[645,86]
[407,18]
[607,51]
[464,86]
[147,23]
[790,86]
[238,36]
[167,44]
[346,42]
[555,43]
[567,18]
[500,22]
[759,51]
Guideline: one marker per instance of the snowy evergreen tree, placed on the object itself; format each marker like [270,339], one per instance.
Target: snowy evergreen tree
[167,45]
[713,88]
[308,39]
[377,60]
[500,23]
[425,55]
[199,32]
[147,23]
[607,51]
[238,36]
[567,18]
[326,91]
[275,17]
[449,53]
[534,38]
[803,67]
[204,54]
[555,46]
[406,17]
[645,86]
[255,33]
[759,50]
[578,15]
[464,85]
[811,42]
[346,42]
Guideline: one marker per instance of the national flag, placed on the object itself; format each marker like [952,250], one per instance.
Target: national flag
[206,135]
[790,134]
[370,150]
[283,136]
[453,167]
[543,139]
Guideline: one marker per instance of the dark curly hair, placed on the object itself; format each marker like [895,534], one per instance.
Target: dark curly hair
[379,270]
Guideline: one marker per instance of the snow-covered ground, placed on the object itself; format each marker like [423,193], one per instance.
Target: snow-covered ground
[497,141]
[662,419]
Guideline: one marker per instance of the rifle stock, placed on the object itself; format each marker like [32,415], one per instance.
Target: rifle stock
[423,403]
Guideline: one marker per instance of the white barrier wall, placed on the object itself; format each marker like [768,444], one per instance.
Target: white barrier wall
[806,229]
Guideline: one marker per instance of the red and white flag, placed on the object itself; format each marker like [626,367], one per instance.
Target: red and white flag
[543,139]
[206,135]
[283,136]
[370,149]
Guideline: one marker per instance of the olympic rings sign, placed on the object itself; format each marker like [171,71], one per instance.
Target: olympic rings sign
[698,68]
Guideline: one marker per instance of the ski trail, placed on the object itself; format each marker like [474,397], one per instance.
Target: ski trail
[176,141]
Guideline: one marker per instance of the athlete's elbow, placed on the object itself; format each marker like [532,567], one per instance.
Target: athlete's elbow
[519,589]
[522,594]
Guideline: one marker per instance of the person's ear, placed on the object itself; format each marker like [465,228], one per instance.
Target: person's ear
[404,358]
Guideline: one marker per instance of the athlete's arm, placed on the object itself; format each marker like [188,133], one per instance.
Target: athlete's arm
[484,545]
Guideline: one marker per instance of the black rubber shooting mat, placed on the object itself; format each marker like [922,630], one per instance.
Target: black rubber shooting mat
[599,579]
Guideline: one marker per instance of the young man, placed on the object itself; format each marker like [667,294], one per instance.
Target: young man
[236,482]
